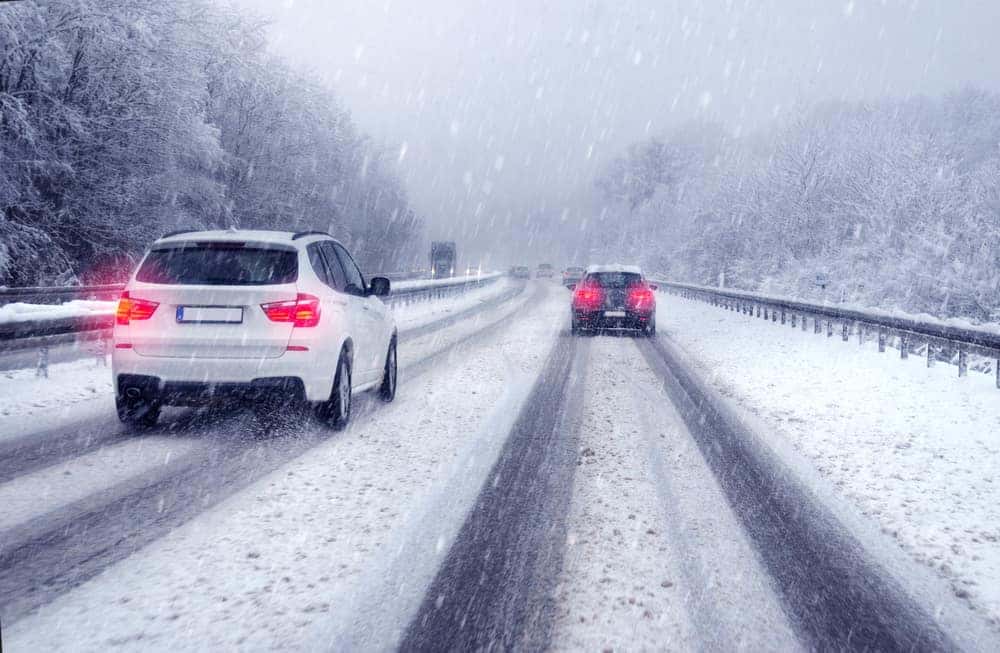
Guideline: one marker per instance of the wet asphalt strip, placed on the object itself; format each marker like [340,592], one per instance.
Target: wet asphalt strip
[494,589]
[837,599]
[56,552]
[19,456]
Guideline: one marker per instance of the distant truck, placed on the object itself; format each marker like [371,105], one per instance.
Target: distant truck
[442,259]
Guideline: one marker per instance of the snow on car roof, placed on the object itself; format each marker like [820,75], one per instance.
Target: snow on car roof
[615,267]
[252,235]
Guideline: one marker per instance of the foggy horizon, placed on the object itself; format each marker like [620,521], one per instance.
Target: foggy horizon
[500,111]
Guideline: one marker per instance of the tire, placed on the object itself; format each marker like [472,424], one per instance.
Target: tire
[336,411]
[651,329]
[387,391]
[137,413]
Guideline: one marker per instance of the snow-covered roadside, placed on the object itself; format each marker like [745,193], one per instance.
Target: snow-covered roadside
[27,400]
[298,559]
[914,449]
[653,550]
[417,314]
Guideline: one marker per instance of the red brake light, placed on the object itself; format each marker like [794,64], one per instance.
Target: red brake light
[303,311]
[640,298]
[133,308]
[588,296]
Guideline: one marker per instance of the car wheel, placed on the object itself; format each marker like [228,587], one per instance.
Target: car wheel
[651,329]
[137,413]
[336,411]
[387,392]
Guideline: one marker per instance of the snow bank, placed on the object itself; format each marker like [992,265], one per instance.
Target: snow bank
[21,312]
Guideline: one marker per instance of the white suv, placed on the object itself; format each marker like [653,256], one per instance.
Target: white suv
[251,314]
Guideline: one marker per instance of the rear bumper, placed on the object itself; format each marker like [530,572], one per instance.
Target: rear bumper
[184,381]
[195,393]
[597,320]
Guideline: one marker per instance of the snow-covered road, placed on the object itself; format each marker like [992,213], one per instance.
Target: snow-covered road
[655,557]
[528,490]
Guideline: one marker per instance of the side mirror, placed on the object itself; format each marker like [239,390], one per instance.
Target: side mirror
[571,286]
[653,286]
[378,286]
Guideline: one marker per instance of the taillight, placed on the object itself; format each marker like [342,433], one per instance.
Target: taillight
[133,308]
[588,296]
[303,311]
[640,298]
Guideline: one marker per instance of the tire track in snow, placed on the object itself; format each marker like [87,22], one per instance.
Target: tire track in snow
[836,597]
[494,589]
[655,559]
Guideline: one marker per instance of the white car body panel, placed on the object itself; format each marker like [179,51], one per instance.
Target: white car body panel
[256,348]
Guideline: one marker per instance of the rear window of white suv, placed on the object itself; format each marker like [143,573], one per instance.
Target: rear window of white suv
[219,264]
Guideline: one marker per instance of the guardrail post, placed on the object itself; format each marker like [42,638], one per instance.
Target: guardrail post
[42,368]
[794,318]
[998,372]
[774,315]
[758,310]
[803,322]
[101,352]
[861,334]
[930,354]
[817,325]
[845,332]
[904,346]
[963,362]
[782,316]
[881,340]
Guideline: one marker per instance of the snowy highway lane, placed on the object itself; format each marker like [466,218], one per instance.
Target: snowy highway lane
[103,518]
[528,490]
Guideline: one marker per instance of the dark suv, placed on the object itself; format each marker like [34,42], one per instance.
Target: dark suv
[614,297]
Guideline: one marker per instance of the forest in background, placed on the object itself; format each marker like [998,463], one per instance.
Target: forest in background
[895,204]
[121,120]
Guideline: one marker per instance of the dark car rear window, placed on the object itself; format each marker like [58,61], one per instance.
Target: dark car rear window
[615,279]
[219,265]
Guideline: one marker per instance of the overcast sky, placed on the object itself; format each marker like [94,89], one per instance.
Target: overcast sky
[500,109]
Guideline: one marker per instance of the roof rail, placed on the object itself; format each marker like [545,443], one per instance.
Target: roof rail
[303,234]
[178,232]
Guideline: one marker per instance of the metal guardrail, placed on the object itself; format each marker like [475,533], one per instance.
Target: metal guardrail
[942,341]
[38,333]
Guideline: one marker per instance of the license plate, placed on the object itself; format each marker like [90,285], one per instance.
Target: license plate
[614,313]
[210,314]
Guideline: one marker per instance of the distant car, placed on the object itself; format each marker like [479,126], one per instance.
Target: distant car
[261,315]
[572,275]
[520,272]
[614,297]
[545,271]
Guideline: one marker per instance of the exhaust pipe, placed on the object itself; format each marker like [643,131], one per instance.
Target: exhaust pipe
[133,393]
